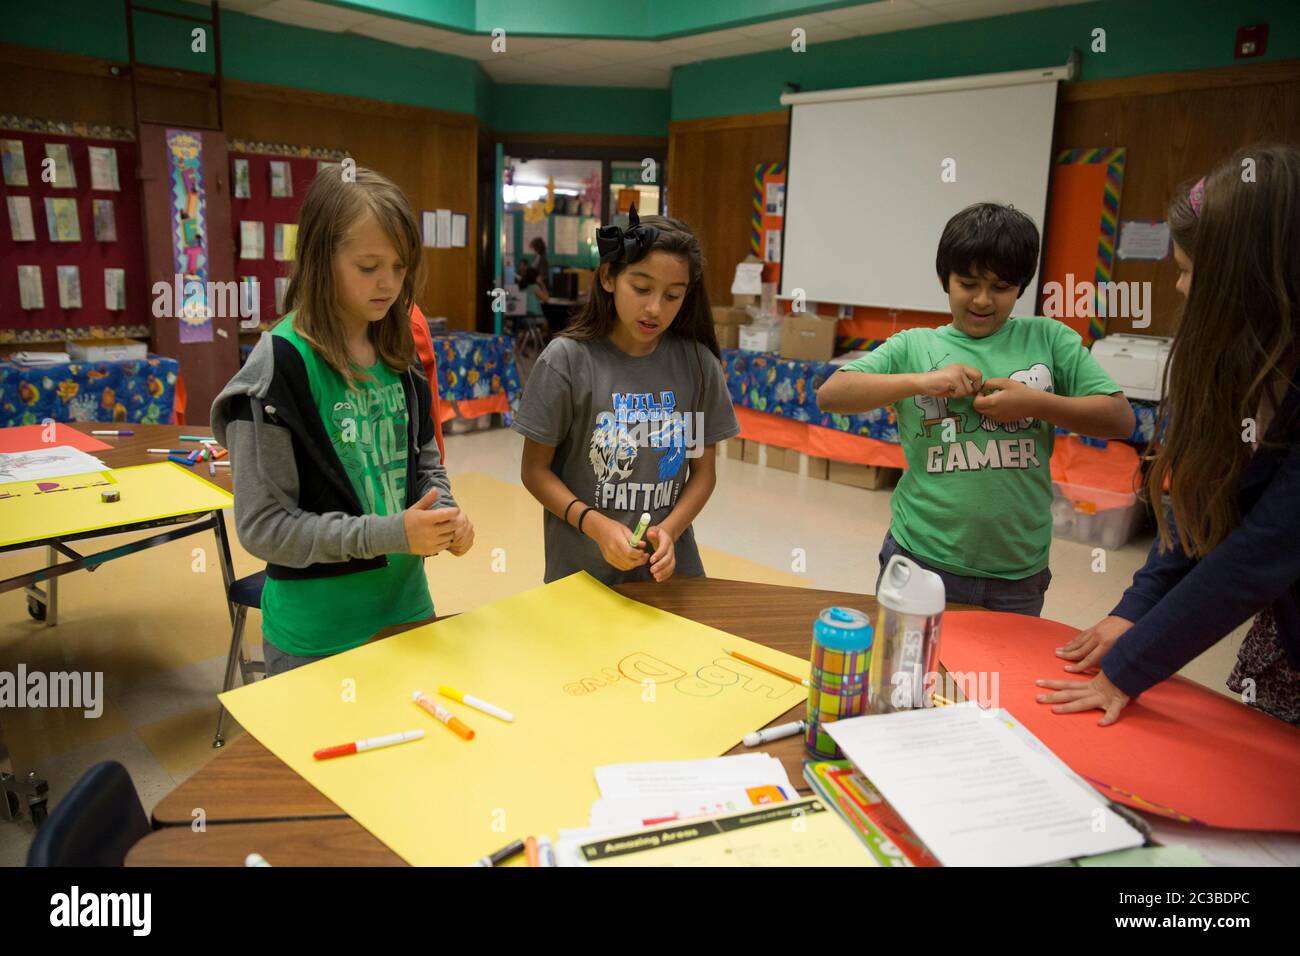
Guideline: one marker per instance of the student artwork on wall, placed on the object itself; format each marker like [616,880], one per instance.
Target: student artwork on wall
[243,189]
[103,169]
[189,233]
[271,181]
[14,162]
[105,222]
[281,182]
[1082,223]
[73,211]
[69,287]
[21,226]
[115,289]
[61,220]
[29,287]
[62,175]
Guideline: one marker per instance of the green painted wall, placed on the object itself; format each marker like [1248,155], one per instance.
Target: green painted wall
[611,110]
[1142,36]
[259,51]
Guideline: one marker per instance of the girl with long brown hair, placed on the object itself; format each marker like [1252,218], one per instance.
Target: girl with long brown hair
[339,483]
[1228,452]
[621,412]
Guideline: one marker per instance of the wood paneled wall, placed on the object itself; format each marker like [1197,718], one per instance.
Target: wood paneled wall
[430,154]
[1175,125]
[711,184]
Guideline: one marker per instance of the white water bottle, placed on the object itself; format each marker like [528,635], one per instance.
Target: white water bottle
[906,645]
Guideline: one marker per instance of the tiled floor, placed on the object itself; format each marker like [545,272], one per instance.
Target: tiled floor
[154,623]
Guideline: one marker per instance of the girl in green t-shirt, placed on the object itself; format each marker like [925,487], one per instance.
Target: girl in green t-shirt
[339,484]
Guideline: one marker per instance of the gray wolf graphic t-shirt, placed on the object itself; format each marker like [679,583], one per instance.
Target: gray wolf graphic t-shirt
[625,430]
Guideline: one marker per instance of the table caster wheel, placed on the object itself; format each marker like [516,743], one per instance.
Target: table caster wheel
[36,609]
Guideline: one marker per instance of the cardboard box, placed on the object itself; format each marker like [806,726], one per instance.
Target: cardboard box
[766,456]
[728,315]
[808,337]
[735,448]
[759,338]
[728,335]
[796,462]
[862,476]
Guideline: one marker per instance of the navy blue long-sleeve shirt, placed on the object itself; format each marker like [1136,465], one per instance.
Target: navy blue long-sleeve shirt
[1181,606]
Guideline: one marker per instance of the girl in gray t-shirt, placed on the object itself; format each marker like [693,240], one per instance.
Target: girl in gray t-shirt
[622,409]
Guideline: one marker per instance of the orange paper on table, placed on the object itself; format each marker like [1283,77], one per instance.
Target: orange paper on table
[31,437]
[1179,749]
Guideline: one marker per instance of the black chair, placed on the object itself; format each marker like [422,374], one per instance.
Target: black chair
[244,593]
[98,821]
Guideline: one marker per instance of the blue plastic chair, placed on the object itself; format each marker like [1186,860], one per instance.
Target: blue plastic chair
[95,824]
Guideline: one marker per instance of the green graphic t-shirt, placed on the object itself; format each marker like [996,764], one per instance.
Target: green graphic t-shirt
[369,428]
[976,497]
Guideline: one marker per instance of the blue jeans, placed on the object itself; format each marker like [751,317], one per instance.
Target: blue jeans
[277,661]
[1024,596]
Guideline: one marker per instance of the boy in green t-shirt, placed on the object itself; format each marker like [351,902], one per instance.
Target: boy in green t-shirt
[978,402]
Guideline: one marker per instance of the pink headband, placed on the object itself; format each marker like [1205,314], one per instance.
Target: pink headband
[1197,196]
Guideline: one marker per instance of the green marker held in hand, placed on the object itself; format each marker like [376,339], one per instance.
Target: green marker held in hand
[640,529]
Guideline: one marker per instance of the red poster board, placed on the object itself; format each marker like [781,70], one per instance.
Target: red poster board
[1180,749]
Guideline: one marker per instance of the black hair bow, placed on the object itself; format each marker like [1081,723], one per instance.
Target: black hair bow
[629,244]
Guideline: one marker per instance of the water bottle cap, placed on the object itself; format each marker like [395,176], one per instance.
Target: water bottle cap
[843,629]
[910,589]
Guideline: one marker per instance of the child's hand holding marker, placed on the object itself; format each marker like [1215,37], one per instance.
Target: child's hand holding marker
[612,539]
[951,381]
[1006,400]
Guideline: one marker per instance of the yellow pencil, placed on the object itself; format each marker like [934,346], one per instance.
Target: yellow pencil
[769,668]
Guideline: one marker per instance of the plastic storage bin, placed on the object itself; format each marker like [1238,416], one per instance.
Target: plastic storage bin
[1095,515]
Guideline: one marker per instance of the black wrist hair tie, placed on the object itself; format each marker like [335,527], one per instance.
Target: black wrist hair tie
[625,245]
[567,507]
[583,516]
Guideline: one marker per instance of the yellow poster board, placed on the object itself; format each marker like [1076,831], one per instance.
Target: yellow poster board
[61,507]
[591,677]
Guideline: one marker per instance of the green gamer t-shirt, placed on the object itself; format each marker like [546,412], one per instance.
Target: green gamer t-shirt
[980,503]
[369,428]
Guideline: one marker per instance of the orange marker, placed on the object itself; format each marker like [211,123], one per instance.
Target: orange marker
[438,712]
[530,848]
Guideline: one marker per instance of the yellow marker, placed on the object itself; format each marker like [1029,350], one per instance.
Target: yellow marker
[476,702]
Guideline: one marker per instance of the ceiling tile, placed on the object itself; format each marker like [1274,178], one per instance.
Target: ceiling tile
[318,11]
[861,11]
[899,21]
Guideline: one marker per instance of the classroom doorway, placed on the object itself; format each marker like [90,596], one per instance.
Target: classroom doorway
[552,199]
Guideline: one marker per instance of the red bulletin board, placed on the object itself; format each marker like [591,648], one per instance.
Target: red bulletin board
[53,323]
[262,207]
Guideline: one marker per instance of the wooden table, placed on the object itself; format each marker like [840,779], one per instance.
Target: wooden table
[130,450]
[43,602]
[252,801]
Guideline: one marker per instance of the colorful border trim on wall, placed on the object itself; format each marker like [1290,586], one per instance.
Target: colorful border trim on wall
[79,334]
[1114,159]
[28,124]
[285,149]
